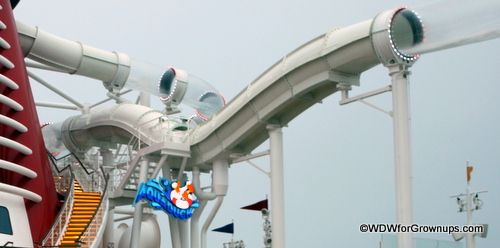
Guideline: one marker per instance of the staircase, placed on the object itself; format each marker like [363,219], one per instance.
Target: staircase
[126,181]
[84,207]
[133,180]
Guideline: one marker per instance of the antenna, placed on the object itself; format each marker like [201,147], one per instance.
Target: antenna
[466,205]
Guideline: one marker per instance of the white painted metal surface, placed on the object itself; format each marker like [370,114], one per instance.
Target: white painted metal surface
[21,233]
[277,186]
[150,233]
[299,80]
[73,57]
[17,168]
[136,225]
[220,185]
[402,151]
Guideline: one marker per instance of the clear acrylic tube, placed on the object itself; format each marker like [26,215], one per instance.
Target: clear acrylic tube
[453,23]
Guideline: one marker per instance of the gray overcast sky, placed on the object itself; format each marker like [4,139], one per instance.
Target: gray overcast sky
[338,159]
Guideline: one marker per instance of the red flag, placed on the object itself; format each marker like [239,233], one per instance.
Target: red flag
[257,206]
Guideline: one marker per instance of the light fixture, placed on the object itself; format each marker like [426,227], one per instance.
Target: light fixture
[393,32]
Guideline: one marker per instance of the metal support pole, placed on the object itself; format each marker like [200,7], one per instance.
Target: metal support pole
[136,225]
[109,231]
[173,223]
[267,229]
[203,198]
[184,233]
[108,239]
[469,237]
[402,151]
[107,157]
[183,224]
[210,218]
[220,184]
[277,186]
[118,99]
[55,105]
[195,221]
[55,89]
[470,198]
[145,99]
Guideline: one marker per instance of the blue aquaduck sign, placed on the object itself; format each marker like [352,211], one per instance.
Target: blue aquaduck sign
[174,198]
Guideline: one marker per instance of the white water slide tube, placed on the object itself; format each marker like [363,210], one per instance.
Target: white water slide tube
[296,82]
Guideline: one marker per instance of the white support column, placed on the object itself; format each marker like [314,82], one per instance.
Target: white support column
[107,157]
[203,198]
[184,233]
[402,151]
[145,99]
[469,237]
[183,224]
[277,186]
[108,239]
[220,185]
[136,224]
[173,223]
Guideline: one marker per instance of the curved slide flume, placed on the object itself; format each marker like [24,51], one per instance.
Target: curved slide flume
[292,85]
[298,81]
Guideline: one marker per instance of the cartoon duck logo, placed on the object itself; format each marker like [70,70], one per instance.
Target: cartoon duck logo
[182,196]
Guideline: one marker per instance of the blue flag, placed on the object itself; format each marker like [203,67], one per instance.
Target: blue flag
[229,228]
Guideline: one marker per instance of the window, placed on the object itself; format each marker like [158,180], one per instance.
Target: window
[5,226]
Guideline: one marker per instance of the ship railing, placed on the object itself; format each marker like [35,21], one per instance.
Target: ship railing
[83,174]
[116,175]
[62,173]
[89,180]
[64,181]
[67,169]
[153,131]
[94,228]
[165,128]
[123,156]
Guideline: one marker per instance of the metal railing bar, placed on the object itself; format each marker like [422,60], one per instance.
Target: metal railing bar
[55,89]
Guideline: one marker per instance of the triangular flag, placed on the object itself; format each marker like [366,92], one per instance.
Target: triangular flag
[229,228]
[257,206]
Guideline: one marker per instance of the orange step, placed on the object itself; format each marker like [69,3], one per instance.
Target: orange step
[88,193]
[80,220]
[86,201]
[86,198]
[75,229]
[70,237]
[83,212]
[84,207]
[79,204]
[81,216]
[70,244]
[76,225]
